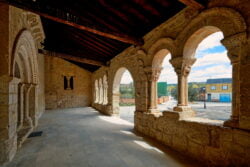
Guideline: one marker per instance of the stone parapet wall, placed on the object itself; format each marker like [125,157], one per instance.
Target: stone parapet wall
[206,140]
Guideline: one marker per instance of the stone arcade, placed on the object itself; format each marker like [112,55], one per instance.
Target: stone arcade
[31,80]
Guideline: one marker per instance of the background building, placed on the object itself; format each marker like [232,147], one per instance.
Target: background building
[219,90]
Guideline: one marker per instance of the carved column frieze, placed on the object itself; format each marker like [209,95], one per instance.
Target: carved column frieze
[20,106]
[33,103]
[27,122]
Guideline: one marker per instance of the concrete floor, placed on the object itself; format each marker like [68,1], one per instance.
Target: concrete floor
[82,137]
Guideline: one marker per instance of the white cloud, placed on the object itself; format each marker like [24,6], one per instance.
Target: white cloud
[218,71]
[167,74]
[211,41]
[212,59]
[210,65]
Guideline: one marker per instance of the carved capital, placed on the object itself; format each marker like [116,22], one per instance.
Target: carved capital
[235,40]
[153,73]
[182,66]
[233,44]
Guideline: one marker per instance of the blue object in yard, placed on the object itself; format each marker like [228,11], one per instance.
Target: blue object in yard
[209,97]
[225,98]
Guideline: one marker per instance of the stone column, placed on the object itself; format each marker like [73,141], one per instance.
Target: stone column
[27,122]
[20,105]
[105,97]
[153,76]
[233,45]
[182,68]
[33,104]
[100,93]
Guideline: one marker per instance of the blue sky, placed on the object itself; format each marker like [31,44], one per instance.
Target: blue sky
[212,62]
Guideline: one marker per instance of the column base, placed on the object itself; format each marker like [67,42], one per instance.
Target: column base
[234,123]
[28,123]
[22,135]
[153,111]
[182,108]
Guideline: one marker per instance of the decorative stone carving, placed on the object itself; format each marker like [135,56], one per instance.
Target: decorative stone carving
[233,44]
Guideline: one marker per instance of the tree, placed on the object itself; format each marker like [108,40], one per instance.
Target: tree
[174,92]
[193,92]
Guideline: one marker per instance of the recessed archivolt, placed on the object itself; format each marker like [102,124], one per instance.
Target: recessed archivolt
[25,49]
[159,50]
[33,22]
[163,43]
[195,39]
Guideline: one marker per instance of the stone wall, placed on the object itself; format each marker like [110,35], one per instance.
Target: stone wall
[19,29]
[207,140]
[55,95]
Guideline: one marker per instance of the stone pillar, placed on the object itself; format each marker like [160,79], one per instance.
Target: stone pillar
[182,68]
[27,122]
[115,101]
[153,76]
[234,46]
[8,117]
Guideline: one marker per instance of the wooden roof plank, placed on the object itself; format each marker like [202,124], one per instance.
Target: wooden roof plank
[115,36]
[72,58]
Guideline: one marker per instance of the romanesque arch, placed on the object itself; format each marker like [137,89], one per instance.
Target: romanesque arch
[24,66]
[233,26]
[227,20]
[158,51]
[116,89]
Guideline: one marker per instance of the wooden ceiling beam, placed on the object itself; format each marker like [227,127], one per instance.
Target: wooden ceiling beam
[120,37]
[72,58]
[193,4]
[107,44]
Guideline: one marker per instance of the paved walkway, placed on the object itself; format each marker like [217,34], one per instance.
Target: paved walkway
[82,137]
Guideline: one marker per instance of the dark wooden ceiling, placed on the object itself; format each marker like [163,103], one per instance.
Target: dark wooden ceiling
[128,20]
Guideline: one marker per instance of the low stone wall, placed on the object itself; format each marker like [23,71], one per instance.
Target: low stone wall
[127,101]
[163,99]
[206,140]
